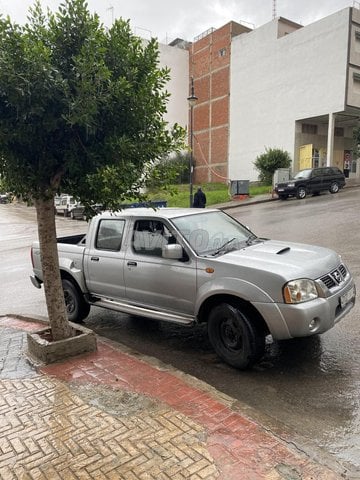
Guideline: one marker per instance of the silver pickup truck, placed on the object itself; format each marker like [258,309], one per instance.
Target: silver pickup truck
[195,265]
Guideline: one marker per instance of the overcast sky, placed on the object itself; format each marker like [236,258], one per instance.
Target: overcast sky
[169,19]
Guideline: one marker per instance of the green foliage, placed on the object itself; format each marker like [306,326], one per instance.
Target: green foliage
[81,106]
[271,160]
[356,142]
[172,169]
[3,187]
[179,195]
[216,193]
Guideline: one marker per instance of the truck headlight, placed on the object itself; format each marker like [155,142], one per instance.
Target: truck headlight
[291,185]
[301,290]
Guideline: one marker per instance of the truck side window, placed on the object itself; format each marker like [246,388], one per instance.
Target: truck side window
[109,234]
[150,236]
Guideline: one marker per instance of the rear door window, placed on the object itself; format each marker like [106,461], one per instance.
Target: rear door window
[110,234]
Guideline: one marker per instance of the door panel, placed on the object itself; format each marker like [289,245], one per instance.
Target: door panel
[315,184]
[305,156]
[155,281]
[104,261]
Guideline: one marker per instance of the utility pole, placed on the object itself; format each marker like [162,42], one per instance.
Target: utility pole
[274,14]
[112,13]
[191,100]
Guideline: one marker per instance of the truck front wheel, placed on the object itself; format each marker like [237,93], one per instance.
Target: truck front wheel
[76,307]
[234,338]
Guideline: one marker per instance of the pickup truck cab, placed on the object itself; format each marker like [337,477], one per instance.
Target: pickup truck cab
[195,265]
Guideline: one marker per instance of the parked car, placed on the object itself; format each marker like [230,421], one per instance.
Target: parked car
[4,198]
[64,204]
[188,266]
[312,181]
[79,212]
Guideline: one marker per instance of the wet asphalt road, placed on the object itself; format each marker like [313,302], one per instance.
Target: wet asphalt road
[308,390]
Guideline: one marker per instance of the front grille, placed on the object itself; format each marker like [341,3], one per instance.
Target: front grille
[334,278]
[329,282]
[342,270]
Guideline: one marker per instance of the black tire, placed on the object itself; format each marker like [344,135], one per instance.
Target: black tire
[76,307]
[234,337]
[334,187]
[301,193]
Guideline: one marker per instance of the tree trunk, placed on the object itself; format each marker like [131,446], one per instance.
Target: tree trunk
[60,327]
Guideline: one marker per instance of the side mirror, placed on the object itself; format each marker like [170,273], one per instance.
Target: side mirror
[172,251]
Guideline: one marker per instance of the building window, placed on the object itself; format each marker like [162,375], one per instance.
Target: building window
[308,128]
[222,52]
[338,132]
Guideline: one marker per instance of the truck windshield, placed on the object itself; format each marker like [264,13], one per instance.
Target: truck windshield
[212,233]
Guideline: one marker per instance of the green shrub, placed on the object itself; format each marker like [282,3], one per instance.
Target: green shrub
[271,160]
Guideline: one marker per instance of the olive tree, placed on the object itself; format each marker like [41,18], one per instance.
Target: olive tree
[271,160]
[81,111]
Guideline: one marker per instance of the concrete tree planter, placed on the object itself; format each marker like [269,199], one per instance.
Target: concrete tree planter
[41,347]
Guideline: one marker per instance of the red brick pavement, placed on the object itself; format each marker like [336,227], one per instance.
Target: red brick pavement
[241,448]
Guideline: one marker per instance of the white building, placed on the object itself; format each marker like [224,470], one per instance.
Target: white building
[177,60]
[290,87]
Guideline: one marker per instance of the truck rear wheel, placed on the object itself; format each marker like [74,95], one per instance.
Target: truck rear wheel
[76,307]
[234,337]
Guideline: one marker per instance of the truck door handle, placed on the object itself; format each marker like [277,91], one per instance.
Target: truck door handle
[131,264]
[94,259]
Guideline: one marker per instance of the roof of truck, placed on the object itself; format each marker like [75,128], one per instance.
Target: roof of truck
[156,212]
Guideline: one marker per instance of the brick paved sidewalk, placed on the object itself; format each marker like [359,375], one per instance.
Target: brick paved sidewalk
[114,415]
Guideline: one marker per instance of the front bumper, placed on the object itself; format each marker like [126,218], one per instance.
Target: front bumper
[309,318]
[290,191]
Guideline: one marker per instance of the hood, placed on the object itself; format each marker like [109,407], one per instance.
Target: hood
[291,180]
[287,259]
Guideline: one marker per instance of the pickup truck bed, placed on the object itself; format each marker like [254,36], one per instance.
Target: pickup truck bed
[73,239]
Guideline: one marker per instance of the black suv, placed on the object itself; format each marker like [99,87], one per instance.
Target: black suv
[312,181]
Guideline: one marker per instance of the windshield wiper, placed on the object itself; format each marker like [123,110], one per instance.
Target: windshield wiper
[220,249]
